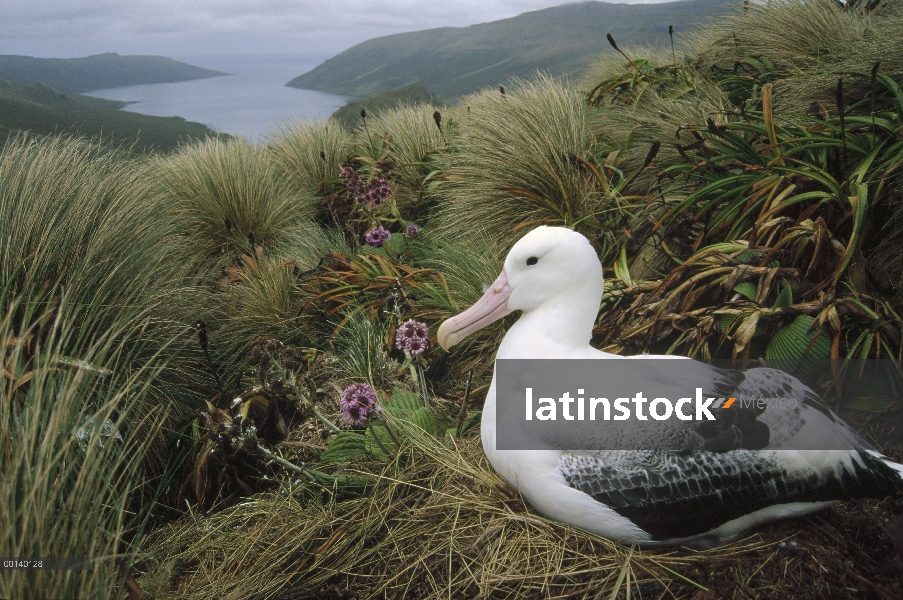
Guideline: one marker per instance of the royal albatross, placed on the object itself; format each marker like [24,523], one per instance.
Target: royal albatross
[700,498]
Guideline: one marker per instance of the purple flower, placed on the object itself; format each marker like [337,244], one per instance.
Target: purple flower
[355,415]
[352,182]
[377,236]
[357,401]
[417,345]
[377,192]
[412,230]
[413,336]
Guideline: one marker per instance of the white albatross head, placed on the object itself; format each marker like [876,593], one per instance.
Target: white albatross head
[552,273]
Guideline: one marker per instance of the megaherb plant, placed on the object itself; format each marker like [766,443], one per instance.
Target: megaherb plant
[800,199]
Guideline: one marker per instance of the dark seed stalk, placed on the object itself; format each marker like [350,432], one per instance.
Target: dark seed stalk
[671,35]
[614,44]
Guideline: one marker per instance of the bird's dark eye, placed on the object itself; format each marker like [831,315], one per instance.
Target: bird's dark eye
[532,261]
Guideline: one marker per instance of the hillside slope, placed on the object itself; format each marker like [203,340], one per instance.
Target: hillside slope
[76,75]
[453,61]
[43,110]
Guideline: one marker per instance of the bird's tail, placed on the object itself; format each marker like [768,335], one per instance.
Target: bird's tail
[895,468]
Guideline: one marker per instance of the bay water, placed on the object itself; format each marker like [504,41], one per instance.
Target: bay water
[251,101]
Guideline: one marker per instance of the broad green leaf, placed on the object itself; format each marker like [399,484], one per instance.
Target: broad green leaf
[746,288]
[345,447]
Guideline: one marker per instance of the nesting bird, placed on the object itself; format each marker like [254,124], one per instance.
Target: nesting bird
[659,497]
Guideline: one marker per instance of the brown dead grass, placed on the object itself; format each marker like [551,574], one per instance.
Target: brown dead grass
[439,523]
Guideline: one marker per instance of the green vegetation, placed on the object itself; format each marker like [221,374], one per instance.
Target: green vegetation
[97,72]
[178,330]
[350,114]
[45,111]
[454,61]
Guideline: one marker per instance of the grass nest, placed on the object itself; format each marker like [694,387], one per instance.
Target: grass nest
[438,522]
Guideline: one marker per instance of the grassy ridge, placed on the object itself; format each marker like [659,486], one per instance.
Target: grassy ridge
[350,114]
[43,110]
[98,71]
[453,61]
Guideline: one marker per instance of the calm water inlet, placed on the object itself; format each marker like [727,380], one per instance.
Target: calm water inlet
[251,102]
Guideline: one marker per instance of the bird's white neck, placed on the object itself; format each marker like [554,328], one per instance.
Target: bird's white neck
[559,328]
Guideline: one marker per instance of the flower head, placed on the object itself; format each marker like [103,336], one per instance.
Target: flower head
[377,236]
[417,345]
[412,230]
[352,182]
[377,192]
[357,401]
[413,336]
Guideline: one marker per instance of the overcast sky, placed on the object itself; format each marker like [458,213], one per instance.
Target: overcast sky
[191,28]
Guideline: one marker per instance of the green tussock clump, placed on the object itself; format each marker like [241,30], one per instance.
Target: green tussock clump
[226,197]
[263,295]
[515,166]
[307,154]
[78,218]
[360,351]
[349,115]
[469,261]
[636,105]
[412,138]
[811,44]
[79,215]
[87,330]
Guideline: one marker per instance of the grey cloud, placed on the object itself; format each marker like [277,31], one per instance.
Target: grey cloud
[180,27]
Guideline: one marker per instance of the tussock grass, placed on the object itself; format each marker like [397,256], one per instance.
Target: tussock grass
[308,153]
[605,66]
[413,136]
[360,351]
[814,42]
[263,295]
[82,216]
[81,223]
[223,191]
[631,130]
[75,440]
[513,168]
[86,330]
[469,261]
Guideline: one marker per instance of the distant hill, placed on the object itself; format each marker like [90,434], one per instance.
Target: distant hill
[350,114]
[453,61]
[97,72]
[44,110]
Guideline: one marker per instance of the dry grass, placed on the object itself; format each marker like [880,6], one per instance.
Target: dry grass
[439,523]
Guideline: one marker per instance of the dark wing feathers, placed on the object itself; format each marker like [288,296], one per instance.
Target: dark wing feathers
[671,495]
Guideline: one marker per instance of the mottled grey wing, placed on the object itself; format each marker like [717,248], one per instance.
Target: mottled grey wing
[673,495]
